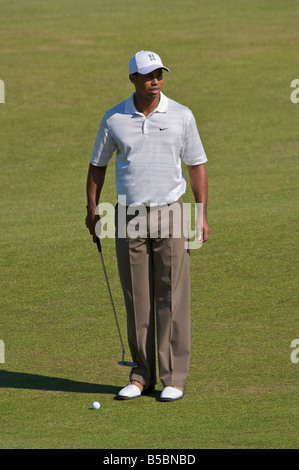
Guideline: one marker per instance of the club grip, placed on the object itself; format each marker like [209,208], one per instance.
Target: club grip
[99,245]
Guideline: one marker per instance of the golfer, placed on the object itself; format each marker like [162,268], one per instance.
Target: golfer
[151,134]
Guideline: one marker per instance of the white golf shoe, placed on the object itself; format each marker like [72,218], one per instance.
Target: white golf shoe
[129,392]
[171,394]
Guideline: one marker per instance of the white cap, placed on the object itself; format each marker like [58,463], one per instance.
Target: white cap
[145,62]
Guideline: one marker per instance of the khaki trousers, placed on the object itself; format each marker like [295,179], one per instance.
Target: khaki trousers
[154,272]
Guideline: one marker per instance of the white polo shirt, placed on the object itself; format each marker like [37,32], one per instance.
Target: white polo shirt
[149,150]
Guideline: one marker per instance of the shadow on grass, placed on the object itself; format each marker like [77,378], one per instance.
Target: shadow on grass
[42,382]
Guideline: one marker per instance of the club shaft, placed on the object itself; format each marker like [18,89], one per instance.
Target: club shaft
[113,306]
[122,362]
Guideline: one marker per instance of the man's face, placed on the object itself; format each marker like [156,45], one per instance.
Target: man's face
[150,85]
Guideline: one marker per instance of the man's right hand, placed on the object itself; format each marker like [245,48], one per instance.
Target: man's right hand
[90,221]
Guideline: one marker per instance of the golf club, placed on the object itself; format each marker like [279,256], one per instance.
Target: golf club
[122,362]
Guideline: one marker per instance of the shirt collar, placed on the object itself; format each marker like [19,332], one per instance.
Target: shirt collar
[162,107]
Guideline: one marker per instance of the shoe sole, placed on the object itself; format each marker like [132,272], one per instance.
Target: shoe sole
[119,397]
[147,391]
[172,399]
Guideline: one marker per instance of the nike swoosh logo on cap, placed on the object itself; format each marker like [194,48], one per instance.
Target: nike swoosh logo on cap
[163,128]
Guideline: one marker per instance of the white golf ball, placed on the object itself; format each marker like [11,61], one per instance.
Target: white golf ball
[96,405]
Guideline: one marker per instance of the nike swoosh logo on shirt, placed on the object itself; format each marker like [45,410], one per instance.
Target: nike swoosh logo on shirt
[163,128]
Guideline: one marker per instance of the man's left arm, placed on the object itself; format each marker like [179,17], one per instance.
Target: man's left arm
[199,185]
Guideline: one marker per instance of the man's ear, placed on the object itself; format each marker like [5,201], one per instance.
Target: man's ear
[132,78]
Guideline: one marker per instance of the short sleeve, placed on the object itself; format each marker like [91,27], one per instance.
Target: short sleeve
[193,152]
[104,145]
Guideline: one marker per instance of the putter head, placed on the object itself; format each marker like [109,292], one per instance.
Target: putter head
[128,364]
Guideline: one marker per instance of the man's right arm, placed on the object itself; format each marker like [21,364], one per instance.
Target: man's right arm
[94,185]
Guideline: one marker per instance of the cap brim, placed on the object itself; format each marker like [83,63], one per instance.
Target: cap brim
[151,68]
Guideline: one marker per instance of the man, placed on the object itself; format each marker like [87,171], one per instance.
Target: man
[150,134]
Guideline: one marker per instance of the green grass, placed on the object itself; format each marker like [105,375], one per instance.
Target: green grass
[64,64]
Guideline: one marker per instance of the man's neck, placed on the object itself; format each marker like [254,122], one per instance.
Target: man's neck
[146,106]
